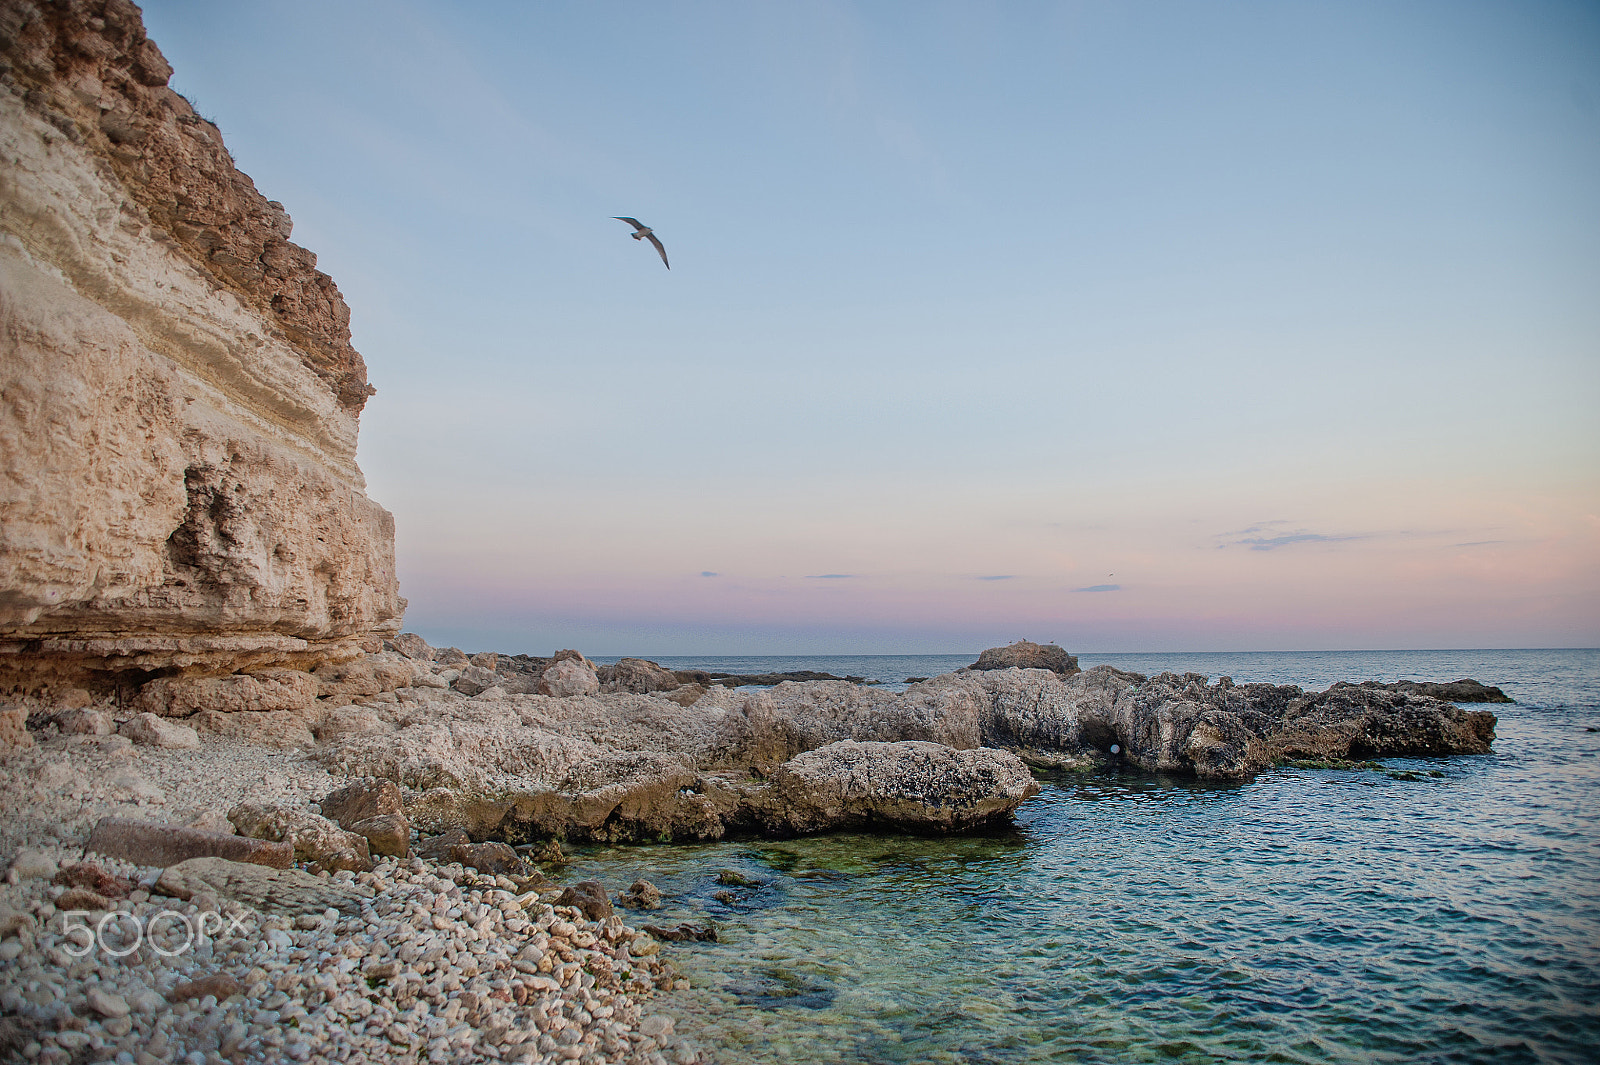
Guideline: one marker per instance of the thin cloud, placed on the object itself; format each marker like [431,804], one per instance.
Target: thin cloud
[830,576]
[997,577]
[1262,536]
[1100,588]
[1479,543]
[709,573]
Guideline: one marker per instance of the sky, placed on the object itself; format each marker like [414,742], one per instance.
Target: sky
[1129,326]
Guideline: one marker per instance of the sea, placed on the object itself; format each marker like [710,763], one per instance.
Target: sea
[1446,912]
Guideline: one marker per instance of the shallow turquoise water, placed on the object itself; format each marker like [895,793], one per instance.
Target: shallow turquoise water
[1308,916]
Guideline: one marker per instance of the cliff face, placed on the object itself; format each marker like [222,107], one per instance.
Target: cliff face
[178,395]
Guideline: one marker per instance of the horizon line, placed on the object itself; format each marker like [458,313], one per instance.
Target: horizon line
[974,654]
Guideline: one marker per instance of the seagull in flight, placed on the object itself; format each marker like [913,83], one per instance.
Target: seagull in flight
[644,232]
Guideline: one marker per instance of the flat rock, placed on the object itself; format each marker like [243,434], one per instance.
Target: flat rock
[911,784]
[1465,690]
[287,891]
[218,985]
[150,844]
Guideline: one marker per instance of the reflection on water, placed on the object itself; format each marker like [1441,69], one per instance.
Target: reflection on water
[1309,916]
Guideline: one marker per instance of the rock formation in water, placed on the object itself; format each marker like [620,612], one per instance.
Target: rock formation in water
[510,763]
[1452,691]
[178,393]
[1025,654]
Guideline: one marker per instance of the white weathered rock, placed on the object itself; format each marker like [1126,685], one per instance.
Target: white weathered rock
[31,865]
[911,784]
[267,690]
[151,731]
[106,1004]
[283,729]
[566,678]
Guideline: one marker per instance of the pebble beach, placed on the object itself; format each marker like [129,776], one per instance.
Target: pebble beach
[427,961]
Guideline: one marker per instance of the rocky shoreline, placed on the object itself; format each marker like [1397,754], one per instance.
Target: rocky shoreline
[357,843]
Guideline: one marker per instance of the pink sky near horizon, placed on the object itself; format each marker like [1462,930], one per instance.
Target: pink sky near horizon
[1424,570]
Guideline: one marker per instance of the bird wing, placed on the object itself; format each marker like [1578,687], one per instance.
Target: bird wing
[634,222]
[652,239]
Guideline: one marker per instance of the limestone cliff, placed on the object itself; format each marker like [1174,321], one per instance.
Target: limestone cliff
[179,398]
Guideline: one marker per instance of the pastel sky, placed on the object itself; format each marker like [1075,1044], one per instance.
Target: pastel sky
[1132,326]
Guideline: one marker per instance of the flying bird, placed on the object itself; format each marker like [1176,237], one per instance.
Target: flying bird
[645,233]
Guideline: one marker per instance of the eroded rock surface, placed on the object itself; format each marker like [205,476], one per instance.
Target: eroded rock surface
[625,765]
[180,397]
[912,785]
[1025,654]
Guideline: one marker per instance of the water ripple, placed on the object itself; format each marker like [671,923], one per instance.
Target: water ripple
[1310,916]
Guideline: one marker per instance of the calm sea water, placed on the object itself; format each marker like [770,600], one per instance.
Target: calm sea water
[1307,916]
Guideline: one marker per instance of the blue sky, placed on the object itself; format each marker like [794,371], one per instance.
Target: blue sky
[1268,324]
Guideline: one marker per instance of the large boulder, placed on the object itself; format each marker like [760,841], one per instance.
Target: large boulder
[375,810]
[637,675]
[148,730]
[283,729]
[911,785]
[569,677]
[368,675]
[1024,654]
[261,692]
[474,680]
[413,647]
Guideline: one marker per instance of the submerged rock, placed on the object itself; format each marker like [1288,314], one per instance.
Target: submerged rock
[641,895]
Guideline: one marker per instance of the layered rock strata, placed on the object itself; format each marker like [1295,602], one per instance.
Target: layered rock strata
[180,397]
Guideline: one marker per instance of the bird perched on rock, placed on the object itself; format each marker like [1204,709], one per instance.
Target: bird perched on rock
[644,232]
